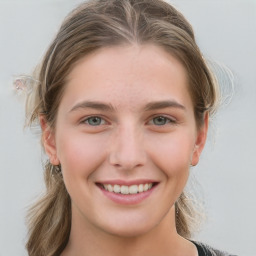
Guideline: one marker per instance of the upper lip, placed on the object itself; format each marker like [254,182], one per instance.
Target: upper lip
[127,182]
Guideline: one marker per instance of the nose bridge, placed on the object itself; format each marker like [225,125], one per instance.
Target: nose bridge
[128,148]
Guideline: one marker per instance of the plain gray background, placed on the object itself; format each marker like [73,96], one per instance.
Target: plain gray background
[226,32]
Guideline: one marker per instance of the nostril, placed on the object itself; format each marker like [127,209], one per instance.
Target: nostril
[127,150]
[127,161]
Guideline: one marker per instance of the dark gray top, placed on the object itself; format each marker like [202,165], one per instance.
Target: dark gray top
[206,250]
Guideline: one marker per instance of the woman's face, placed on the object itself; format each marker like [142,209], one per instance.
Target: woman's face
[125,137]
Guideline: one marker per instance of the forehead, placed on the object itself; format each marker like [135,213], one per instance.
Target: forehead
[129,74]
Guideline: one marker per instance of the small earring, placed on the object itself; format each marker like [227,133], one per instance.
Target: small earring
[55,169]
[52,170]
[58,168]
[176,208]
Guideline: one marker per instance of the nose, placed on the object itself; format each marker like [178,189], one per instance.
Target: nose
[127,149]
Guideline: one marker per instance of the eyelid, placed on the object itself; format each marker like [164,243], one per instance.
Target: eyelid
[171,120]
[84,119]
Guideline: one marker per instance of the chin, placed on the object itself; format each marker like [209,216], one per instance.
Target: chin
[129,229]
[130,232]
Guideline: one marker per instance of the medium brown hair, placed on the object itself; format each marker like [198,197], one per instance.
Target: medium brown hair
[91,26]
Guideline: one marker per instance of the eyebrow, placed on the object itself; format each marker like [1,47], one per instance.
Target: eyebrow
[109,108]
[163,104]
[92,104]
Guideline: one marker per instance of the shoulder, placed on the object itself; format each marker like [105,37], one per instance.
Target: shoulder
[206,250]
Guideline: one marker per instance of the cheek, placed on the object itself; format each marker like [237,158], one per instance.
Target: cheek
[80,153]
[176,153]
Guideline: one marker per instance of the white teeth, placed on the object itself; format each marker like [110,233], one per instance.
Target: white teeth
[124,190]
[146,187]
[117,188]
[133,189]
[141,188]
[110,188]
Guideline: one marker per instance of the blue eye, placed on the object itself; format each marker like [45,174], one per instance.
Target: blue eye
[94,121]
[161,120]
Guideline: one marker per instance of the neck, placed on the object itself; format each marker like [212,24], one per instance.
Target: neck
[161,240]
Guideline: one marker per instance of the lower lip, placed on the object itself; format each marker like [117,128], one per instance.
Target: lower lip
[130,199]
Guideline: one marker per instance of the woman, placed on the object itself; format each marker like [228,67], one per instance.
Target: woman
[123,96]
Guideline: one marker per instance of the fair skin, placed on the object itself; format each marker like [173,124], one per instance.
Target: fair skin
[126,118]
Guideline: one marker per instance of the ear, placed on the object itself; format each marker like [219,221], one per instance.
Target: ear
[48,141]
[200,140]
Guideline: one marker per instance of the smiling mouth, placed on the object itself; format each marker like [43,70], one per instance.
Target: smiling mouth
[127,190]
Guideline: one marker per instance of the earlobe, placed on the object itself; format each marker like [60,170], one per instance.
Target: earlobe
[200,140]
[48,141]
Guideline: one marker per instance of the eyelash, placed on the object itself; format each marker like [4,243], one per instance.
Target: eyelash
[86,121]
[151,122]
[166,119]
